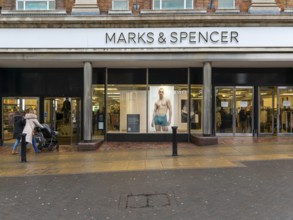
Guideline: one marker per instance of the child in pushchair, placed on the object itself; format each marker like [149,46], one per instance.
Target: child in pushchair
[46,138]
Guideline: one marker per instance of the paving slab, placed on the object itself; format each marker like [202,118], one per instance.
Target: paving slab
[260,190]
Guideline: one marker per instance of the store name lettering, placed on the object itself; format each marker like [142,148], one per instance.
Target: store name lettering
[214,37]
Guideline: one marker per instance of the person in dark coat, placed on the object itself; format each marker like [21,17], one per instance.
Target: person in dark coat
[66,108]
[242,119]
[19,123]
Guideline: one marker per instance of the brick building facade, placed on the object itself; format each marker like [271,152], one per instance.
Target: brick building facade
[106,5]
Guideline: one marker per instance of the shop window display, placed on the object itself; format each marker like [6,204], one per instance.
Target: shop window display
[161,108]
[127,109]
[152,101]
[123,102]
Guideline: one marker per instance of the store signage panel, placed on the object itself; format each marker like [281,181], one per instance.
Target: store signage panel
[243,104]
[133,122]
[286,103]
[224,104]
[127,38]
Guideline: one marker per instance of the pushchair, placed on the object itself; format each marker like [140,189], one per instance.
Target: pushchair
[46,138]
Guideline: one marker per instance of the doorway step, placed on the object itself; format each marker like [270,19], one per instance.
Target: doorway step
[89,145]
[201,140]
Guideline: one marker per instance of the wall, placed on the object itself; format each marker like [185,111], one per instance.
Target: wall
[106,5]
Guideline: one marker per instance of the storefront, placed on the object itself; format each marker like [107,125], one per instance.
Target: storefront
[254,101]
[198,79]
[130,98]
[44,92]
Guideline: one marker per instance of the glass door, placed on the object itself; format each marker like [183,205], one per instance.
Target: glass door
[225,102]
[234,111]
[75,120]
[10,106]
[267,111]
[244,111]
[285,110]
[62,114]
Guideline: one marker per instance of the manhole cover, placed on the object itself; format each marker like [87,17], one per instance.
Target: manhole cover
[147,200]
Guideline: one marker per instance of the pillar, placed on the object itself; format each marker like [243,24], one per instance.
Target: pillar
[87,101]
[85,7]
[207,99]
[264,7]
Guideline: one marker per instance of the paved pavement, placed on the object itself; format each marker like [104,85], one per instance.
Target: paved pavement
[228,181]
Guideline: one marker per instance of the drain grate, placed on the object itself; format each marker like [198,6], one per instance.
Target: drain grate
[147,200]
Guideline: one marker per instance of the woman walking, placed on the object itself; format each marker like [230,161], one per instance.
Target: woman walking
[31,123]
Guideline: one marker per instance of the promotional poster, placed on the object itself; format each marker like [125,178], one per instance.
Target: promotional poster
[161,108]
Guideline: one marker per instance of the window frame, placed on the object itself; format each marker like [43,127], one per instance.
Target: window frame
[221,1]
[26,1]
[121,9]
[161,3]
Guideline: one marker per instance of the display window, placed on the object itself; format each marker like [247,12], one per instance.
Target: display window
[148,101]
[168,106]
[126,108]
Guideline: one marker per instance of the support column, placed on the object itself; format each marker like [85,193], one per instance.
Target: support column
[87,102]
[207,99]
[85,7]
[264,7]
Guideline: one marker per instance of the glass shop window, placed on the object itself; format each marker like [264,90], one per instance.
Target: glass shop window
[135,106]
[120,5]
[35,5]
[126,100]
[126,108]
[168,100]
[172,4]
[168,106]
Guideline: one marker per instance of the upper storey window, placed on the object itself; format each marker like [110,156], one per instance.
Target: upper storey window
[172,4]
[35,5]
[226,4]
[120,5]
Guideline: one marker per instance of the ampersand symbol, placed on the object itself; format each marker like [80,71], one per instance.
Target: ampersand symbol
[162,38]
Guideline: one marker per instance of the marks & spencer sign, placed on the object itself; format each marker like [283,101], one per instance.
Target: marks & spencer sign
[173,38]
[147,38]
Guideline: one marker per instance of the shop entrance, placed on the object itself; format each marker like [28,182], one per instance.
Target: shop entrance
[234,111]
[267,110]
[285,110]
[10,106]
[276,111]
[63,114]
